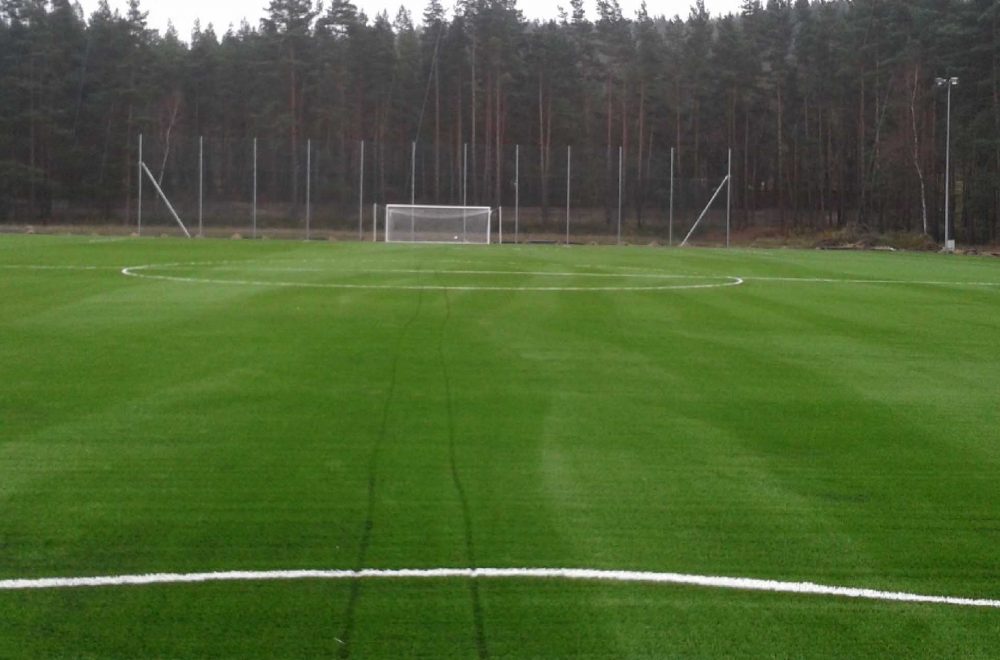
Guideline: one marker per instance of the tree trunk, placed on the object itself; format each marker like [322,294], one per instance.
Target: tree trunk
[607,160]
[916,150]
[488,137]
[294,112]
[996,127]
[624,142]
[543,160]
[437,131]
[861,153]
[639,174]
[747,188]
[497,148]
[779,179]
[472,102]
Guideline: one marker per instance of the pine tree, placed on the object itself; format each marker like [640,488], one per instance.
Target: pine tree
[289,25]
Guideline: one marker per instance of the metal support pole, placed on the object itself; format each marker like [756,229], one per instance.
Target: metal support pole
[465,173]
[413,172]
[500,223]
[704,211]
[374,222]
[166,201]
[729,193]
[517,187]
[569,160]
[361,195]
[254,211]
[308,186]
[949,82]
[621,155]
[947,174]
[139,167]
[201,184]
[670,222]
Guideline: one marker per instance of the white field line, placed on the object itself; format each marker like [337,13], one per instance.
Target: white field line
[831,280]
[44,267]
[142,272]
[407,271]
[583,574]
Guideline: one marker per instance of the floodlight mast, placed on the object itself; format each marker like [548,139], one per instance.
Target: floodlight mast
[949,83]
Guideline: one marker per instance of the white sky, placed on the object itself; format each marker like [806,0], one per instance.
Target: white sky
[223,12]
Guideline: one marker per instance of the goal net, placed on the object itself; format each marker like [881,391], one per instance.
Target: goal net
[405,223]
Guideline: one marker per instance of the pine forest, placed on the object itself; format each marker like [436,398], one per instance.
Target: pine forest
[827,113]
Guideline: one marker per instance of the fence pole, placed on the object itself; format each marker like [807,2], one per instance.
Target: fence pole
[670,222]
[374,222]
[465,173]
[254,211]
[569,169]
[413,172]
[361,195]
[500,222]
[139,167]
[308,186]
[729,193]
[517,187]
[201,183]
[621,154]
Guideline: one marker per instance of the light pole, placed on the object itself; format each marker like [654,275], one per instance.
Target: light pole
[949,83]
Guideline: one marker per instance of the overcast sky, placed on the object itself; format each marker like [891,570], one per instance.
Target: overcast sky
[222,13]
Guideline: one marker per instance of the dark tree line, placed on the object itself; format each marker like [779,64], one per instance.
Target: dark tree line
[830,107]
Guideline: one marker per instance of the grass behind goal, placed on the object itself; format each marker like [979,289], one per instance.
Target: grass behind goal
[245,410]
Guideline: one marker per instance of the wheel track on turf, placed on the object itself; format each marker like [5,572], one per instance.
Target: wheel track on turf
[470,549]
[350,614]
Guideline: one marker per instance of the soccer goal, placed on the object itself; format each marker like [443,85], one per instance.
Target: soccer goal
[407,223]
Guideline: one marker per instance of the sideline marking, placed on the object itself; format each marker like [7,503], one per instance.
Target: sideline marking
[729,280]
[583,574]
[44,267]
[831,280]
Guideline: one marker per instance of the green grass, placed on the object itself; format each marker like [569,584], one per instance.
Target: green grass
[842,433]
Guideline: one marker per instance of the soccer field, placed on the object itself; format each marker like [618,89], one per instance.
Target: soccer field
[238,409]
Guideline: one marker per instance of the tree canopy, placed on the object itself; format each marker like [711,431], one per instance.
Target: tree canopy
[829,106]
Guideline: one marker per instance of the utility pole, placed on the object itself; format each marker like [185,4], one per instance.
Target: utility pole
[949,245]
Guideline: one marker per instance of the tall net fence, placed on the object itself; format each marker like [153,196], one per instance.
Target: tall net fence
[222,186]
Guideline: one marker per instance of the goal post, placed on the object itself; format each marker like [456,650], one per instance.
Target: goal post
[416,223]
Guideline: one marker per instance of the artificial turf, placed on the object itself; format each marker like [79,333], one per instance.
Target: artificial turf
[251,414]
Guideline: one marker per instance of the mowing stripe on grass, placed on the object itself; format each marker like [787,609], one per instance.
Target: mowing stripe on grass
[350,611]
[470,546]
[583,574]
